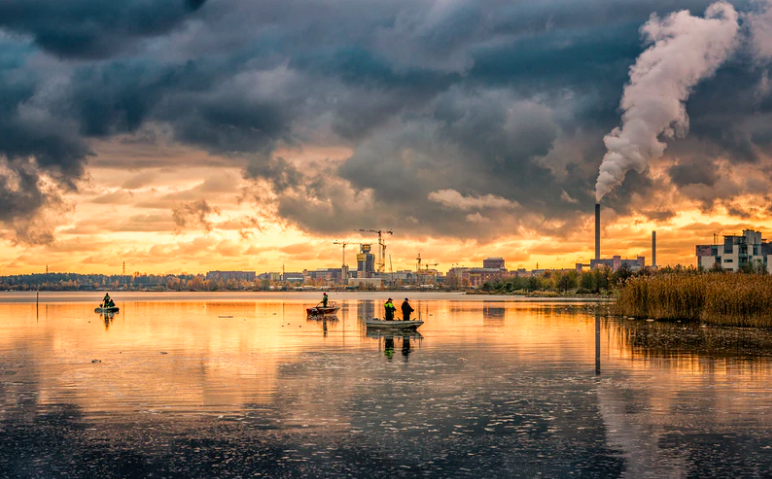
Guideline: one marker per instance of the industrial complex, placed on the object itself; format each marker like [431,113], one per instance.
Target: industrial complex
[746,252]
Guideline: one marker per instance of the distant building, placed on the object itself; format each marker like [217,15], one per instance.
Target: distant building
[737,252]
[476,277]
[365,262]
[269,276]
[617,262]
[365,282]
[494,263]
[326,274]
[231,275]
[293,277]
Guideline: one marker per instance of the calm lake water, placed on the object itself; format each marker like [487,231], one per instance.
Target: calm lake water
[243,385]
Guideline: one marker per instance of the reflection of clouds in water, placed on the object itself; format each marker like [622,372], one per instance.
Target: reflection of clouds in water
[256,379]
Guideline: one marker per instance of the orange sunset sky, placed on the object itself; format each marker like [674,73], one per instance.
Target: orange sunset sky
[188,136]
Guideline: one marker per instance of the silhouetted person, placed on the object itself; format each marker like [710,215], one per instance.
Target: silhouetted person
[406,310]
[324,300]
[389,310]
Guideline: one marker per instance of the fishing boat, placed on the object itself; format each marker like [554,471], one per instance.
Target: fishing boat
[377,323]
[109,309]
[319,310]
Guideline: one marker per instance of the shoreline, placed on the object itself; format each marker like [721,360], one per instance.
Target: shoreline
[21,297]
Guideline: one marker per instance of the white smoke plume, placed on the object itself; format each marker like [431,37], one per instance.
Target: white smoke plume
[685,49]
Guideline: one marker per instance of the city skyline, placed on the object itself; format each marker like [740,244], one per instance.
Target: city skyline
[242,135]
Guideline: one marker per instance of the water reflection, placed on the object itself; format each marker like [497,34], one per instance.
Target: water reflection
[485,389]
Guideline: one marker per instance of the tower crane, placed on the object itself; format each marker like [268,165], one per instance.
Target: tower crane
[382,247]
[426,266]
[343,270]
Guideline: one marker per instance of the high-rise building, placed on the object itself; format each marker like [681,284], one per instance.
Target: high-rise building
[365,262]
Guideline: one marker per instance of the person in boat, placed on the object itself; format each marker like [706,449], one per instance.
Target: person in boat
[390,309]
[406,310]
[324,300]
[106,299]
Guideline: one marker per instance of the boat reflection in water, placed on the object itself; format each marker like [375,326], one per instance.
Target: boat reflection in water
[388,341]
[108,319]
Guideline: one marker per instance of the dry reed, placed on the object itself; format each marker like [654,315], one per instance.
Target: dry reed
[730,299]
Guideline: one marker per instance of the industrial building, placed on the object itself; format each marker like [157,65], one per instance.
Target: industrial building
[617,262]
[737,253]
[231,275]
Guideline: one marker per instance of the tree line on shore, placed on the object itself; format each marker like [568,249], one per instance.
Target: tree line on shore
[149,282]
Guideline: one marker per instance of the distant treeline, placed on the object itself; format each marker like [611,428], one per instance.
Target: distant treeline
[596,281]
[149,282]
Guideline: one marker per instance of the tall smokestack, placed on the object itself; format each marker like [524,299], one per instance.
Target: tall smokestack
[597,230]
[653,250]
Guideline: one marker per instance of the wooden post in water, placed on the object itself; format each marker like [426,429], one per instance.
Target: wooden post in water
[597,343]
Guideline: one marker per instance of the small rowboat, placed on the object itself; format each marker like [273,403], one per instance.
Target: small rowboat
[319,310]
[112,309]
[392,325]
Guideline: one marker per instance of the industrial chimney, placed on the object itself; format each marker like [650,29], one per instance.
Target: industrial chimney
[653,250]
[597,230]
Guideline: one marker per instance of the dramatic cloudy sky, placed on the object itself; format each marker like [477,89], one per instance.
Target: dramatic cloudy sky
[188,135]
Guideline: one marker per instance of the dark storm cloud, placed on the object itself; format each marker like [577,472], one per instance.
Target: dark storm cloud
[500,98]
[694,173]
[92,28]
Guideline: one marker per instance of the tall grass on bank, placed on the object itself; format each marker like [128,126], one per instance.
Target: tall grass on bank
[732,299]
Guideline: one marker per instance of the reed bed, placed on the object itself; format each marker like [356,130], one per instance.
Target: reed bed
[730,299]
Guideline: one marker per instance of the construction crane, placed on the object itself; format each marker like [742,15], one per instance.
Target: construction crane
[343,271]
[426,266]
[382,247]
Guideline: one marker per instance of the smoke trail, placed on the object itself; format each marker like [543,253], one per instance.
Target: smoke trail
[685,50]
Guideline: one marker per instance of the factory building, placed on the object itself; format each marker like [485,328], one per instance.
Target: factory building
[617,262]
[737,253]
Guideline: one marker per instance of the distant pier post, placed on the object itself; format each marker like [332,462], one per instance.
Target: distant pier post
[597,343]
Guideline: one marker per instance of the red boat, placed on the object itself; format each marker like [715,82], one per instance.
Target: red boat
[319,310]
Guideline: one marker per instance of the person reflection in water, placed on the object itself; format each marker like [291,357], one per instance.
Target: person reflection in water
[388,347]
[405,346]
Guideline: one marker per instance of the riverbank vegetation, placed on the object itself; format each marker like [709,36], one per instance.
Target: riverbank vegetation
[599,281]
[731,299]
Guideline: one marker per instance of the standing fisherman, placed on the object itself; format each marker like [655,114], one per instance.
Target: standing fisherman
[390,309]
[324,300]
[406,310]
